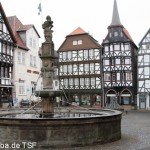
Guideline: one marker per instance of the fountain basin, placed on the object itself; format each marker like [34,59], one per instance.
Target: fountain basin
[62,132]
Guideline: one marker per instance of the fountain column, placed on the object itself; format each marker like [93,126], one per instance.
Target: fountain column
[47,70]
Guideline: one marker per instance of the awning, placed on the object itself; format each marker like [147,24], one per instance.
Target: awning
[126,95]
[111,95]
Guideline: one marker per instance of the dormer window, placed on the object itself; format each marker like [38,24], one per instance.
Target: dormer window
[77,42]
[115,34]
[110,35]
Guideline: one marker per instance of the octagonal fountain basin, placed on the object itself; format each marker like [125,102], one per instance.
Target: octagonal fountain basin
[65,129]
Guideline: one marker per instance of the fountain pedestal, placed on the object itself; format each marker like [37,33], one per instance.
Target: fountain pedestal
[47,71]
[48,107]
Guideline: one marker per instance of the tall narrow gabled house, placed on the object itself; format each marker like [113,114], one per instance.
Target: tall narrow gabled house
[27,64]
[79,68]
[119,63]
[143,98]
[7,44]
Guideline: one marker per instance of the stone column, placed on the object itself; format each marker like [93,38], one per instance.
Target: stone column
[47,70]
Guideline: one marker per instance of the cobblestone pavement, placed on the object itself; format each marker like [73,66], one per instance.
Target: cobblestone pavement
[135,133]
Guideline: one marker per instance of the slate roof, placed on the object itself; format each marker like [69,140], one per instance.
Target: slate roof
[115,15]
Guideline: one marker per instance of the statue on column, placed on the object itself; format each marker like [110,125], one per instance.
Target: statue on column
[47,26]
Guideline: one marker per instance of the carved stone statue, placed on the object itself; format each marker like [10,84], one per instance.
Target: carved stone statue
[47,26]
[48,23]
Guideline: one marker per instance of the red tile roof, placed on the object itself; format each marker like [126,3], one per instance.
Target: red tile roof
[127,34]
[25,27]
[17,27]
[78,31]
[15,24]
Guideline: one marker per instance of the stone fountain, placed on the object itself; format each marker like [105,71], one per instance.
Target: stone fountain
[56,129]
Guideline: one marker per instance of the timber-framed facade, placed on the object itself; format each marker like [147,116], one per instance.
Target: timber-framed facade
[79,68]
[143,98]
[7,43]
[119,63]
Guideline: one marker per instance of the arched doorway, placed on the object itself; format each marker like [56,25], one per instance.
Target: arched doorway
[111,94]
[126,97]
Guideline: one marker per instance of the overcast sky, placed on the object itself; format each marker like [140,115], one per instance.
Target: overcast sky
[94,16]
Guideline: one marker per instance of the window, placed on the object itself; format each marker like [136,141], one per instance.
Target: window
[81,81]
[92,81]
[69,69]
[31,60]
[85,53]
[118,61]
[64,55]
[4,48]
[6,72]
[110,35]
[128,76]
[148,46]
[146,59]
[2,71]
[146,71]
[106,62]
[69,55]
[91,53]
[106,49]
[107,76]
[1,26]
[0,47]
[127,47]
[127,61]
[77,42]
[34,43]
[92,67]
[65,82]
[65,68]
[74,42]
[34,61]
[21,57]
[30,42]
[56,83]
[118,76]
[113,76]
[115,33]
[86,67]
[4,29]
[117,47]
[71,81]
[87,81]
[21,87]
[76,81]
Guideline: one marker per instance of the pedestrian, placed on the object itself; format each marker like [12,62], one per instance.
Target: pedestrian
[10,102]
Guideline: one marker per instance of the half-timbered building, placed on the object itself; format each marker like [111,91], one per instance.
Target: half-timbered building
[7,43]
[119,63]
[79,68]
[143,98]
